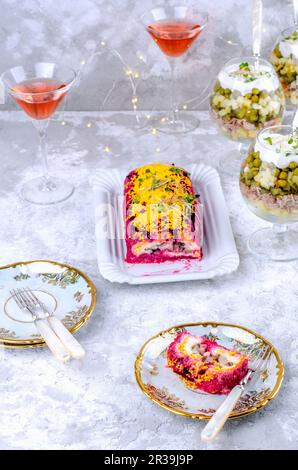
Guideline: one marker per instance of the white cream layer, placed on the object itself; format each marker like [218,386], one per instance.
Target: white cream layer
[269,83]
[276,153]
[289,47]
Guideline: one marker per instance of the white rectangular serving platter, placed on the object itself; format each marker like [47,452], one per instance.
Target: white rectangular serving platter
[220,254]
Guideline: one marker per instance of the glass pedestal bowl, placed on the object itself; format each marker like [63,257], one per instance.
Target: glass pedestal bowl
[269,186]
[284,58]
[247,96]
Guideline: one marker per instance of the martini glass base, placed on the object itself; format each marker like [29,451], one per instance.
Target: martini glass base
[183,123]
[275,245]
[44,191]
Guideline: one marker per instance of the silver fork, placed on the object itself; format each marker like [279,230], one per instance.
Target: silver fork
[69,341]
[256,369]
[42,325]
[40,309]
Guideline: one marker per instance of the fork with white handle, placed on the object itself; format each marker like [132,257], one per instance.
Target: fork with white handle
[257,369]
[61,342]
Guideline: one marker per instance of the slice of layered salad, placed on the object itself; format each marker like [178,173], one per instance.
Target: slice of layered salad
[269,175]
[284,58]
[247,97]
[204,365]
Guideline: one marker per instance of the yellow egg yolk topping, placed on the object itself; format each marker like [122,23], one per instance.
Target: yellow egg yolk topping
[160,198]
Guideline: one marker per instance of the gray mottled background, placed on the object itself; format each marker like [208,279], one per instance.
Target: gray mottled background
[71,31]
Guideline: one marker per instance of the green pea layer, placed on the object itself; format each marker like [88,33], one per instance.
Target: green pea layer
[284,180]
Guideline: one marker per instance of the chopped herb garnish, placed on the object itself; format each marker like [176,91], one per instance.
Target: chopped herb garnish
[269,140]
[161,208]
[248,74]
[250,79]
[176,170]
[244,65]
[290,141]
[190,198]
[156,181]
[293,37]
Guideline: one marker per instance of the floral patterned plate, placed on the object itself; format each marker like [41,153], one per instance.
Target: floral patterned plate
[64,289]
[165,388]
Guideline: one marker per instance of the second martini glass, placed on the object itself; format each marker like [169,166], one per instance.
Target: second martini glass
[39,89]
[174,29]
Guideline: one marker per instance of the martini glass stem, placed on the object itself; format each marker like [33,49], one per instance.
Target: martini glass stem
[174,107]
[42,125]
[43,152]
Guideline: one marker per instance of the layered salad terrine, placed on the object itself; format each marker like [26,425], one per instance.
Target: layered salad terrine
[163,216]
[204,365]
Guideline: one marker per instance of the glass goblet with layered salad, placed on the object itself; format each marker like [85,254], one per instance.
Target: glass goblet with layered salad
[247,96]
[269,186]
[284,58]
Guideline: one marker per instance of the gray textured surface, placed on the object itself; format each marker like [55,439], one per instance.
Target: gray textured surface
[72,32]
[96,403]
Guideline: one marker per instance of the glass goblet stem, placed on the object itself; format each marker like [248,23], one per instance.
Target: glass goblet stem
[277,243]
[229,164]
[279,229]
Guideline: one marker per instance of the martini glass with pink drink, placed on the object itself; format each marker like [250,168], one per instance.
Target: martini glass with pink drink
[174,29]
[39,89]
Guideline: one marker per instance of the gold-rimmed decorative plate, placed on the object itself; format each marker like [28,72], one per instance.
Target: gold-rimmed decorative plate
[65,290]
[162,386]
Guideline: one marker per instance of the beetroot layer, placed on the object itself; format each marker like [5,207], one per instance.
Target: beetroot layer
[158,256]
[222,381]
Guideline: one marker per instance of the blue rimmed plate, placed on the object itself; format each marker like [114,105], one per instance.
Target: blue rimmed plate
[64,289]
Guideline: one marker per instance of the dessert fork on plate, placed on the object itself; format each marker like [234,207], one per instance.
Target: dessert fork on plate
[257,369]
[59,340]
